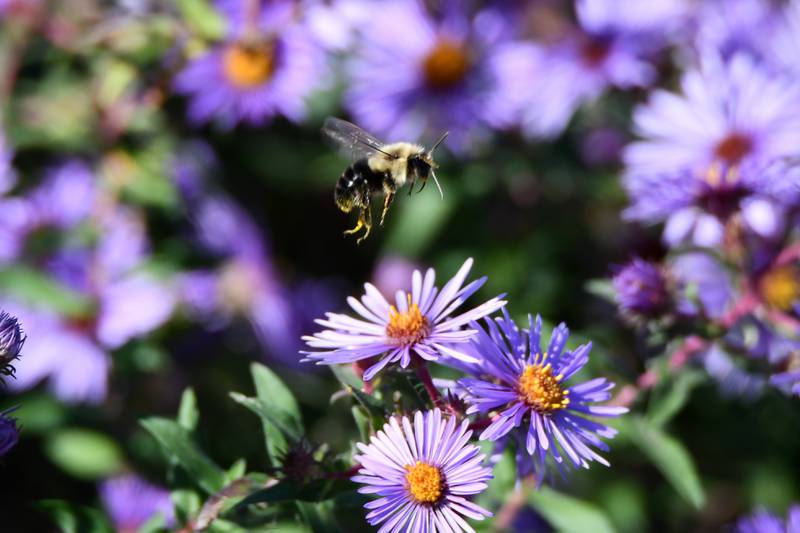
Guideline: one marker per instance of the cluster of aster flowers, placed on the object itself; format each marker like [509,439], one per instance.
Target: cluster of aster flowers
[716,162]
[422,467]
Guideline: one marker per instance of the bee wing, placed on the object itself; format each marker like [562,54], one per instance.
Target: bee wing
[351,140]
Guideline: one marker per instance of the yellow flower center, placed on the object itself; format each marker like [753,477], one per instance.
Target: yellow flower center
[446,65]
[425,482]
[733,148]
[541,390]
[780,287]
[408,327]
[248,66]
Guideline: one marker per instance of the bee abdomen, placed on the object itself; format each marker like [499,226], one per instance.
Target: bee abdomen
[349,190]
[357,184]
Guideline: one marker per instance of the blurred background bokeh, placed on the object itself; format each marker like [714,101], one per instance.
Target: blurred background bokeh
[167,218]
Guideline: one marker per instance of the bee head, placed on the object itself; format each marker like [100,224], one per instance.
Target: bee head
[423,165]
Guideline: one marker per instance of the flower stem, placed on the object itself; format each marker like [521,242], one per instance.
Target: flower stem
[424,376]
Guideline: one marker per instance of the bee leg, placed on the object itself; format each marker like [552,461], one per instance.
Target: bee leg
[386,203]
[358,226]
[424,182]
[410,185]
[366,218]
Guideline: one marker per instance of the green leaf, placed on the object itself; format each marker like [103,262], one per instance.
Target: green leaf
[202,18]
[320,517]
[667,403]
[187,504]
[72,518]
[362,422]
[34,287]
[670,457]
[84,453]
[179,446]
[277,408]
[352,385]
[568,514]
[188,415]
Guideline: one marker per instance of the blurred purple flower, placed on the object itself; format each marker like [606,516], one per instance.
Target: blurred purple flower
[121,300]
[130,502]
[8,176]
[704,281]
[335,23]
[781,45]
[731,113]
[641,289]
[417,75]
[64,199]
[733,27]
[9,432]
[77,368]
[422,469]
[11,340]
[525,384]
[391,274]
[542,85]
[267,66]
[762,521]
[419,326]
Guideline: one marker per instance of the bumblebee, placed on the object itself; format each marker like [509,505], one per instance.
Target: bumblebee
[379,167]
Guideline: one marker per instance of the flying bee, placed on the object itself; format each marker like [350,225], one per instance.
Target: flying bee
[379,167]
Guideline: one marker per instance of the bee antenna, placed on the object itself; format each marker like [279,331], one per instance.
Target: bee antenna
[433,175]
[440,141]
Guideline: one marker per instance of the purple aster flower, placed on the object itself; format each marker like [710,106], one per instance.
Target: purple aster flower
[526,386]
[730,113]
[419,325]
[11,341]
[540,86]
[9,432]
[130,502]
[334,24]
[418,75]
[422,471]
[267,66]
[641,288]
[716,150]
[762,521]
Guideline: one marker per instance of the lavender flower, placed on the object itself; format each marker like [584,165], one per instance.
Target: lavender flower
[422,473]
[9,432]
[641,289]
[762,521]
[734,27]
[419,325]
[11,341]
[526,384]
[8,176]
[130,502]
[418,75]
[268,66]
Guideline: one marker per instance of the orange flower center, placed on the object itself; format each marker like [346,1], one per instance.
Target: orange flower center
[446,65]
[408,327]
[425,482]
[248,66]
[541,390]
[780,287]
[733,148]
